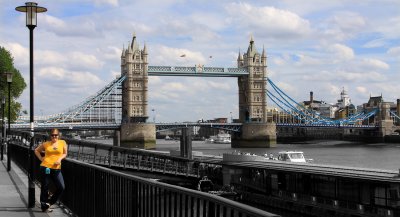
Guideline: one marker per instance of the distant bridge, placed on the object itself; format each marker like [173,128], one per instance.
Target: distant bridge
[231,127]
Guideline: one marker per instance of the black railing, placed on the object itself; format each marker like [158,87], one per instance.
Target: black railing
[93,190]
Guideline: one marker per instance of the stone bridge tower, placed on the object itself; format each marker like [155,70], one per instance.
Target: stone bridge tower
[256,132]
[135,132]
[134,97]
[252,88]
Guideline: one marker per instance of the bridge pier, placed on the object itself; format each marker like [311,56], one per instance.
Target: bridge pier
[186,143]
[138,135]
[255,135]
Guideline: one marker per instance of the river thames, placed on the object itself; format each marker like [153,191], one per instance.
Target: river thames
[384,156]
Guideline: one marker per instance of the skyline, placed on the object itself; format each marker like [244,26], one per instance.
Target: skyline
[310,47]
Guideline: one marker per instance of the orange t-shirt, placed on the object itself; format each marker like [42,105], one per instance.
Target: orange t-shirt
[52,154]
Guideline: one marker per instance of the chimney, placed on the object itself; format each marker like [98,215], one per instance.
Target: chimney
[312,97]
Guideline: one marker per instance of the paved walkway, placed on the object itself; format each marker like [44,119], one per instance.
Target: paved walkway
[14,195]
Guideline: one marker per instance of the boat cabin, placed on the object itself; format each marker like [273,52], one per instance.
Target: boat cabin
[292,156]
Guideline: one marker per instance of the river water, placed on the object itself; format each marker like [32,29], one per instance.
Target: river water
[385,156]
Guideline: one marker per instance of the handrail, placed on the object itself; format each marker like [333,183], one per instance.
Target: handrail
[97,191]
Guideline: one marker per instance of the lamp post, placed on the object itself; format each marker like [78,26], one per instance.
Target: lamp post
[9,81]
[31,9]
[3,102]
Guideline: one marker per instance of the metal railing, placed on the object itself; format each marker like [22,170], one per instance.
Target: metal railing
[93,190]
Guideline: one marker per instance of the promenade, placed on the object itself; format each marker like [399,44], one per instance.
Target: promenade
[14,195]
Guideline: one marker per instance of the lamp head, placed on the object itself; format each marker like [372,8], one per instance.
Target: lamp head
[31,9]
[9,76]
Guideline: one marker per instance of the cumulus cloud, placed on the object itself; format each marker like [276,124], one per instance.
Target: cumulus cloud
[18,52]
[346,76]
[69,28]
[85,60]
[269,20]
[394,51]
[304,60]
[343,25]
[108,2]
[341,52]
[374,63]
[60,76]
[361,89]
[375,43]
[348,21]
[176,56]
[70,60]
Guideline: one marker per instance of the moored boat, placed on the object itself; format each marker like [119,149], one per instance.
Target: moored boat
[288,156]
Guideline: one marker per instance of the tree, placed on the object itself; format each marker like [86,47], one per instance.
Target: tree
[17,86]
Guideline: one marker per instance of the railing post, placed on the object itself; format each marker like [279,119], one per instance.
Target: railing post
[95,154]
[152,164]
[79,151]
[165,165]
[138,165]
[124,155]
[109,157]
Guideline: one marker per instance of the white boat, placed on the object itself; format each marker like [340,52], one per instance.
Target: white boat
[292,156]
[209,140]
[168,138]
[288,156]
[223,138]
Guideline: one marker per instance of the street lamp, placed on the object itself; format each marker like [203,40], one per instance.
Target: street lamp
[31,9]
[3,102]
[9,81]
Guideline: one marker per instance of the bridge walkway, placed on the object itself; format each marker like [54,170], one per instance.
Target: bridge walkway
[14,195]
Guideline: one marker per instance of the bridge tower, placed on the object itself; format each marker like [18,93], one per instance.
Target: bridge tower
[256,132]
[385,123]
[135,132]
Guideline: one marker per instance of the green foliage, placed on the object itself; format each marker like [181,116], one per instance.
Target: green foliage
[17,86]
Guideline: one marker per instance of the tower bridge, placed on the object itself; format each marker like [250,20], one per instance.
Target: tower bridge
[123,104]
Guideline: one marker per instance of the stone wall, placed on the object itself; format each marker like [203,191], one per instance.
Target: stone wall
[138,135]
[291,134]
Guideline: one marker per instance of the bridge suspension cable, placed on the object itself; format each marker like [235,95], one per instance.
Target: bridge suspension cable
[104,106]
[309,116]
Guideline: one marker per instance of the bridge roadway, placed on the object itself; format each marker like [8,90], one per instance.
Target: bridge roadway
[233,127]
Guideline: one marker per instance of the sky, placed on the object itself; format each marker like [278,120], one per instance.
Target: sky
[314,45]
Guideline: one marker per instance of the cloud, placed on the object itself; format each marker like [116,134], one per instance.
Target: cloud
[394,51]
[375,43]
[343,25]
[18,52]
[172,56]
[73,27]
[84,60]
[56,76]
[345,76]
[69,60]
[341,52]
[108,2]
[305,60]
[348,21]
[361,89]
[374,63]
[268,20]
